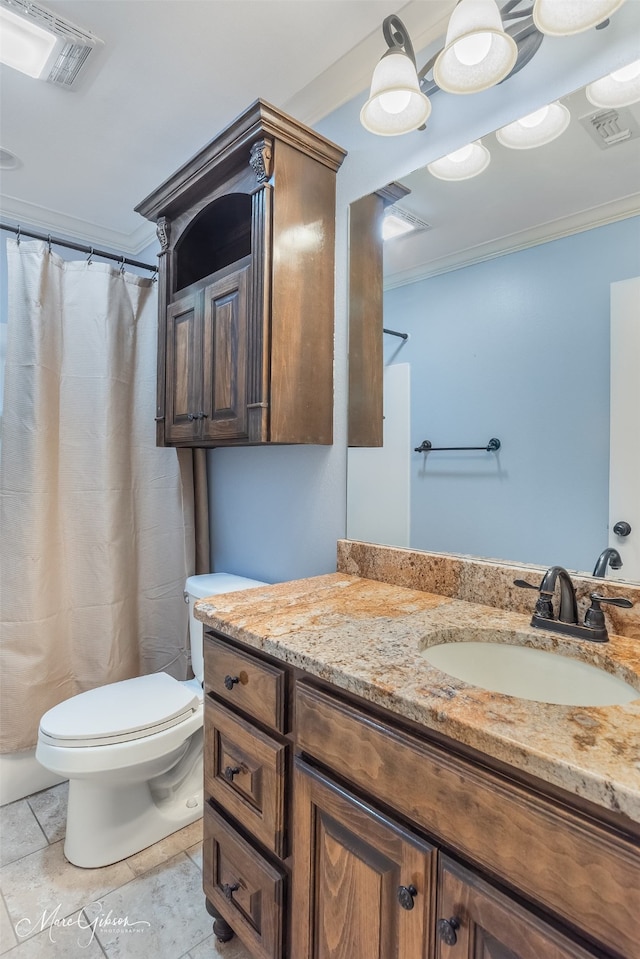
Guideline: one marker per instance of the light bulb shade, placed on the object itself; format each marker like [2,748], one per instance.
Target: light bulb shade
[561,18]
[618,89]
[535,129]
[462,164]
[396,103]
[477,53]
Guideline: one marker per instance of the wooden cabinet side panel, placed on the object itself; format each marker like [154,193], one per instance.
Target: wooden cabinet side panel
[302,305]
[584,874]
[349,863]
[492,925]
[365,322]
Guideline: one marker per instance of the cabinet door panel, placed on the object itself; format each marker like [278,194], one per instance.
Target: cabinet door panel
[225,357]
[183,368]
[490,925]
[350,863]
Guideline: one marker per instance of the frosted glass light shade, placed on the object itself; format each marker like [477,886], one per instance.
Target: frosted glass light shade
[535,129]
[477,53]
[618,89]
[462,164]
[24,45]
[561,18]
[396,103]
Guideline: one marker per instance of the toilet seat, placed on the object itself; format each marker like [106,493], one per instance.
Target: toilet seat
[120,712]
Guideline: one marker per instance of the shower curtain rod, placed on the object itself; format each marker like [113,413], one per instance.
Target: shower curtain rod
[81,248]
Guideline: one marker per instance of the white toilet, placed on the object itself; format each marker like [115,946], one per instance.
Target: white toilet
[132,751]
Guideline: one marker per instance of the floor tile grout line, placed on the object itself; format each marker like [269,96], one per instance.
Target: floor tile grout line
[33,813]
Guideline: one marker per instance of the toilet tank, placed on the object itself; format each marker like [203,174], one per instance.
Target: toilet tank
[200,587]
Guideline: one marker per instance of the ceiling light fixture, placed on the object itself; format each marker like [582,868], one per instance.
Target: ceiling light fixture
[537,128]
[479,52]
[562,18]
[39,43]
[462,164]
[618,89]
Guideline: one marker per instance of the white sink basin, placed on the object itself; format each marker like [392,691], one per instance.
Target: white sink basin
[530,674]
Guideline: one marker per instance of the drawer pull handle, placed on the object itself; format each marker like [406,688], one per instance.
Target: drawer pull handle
[229,890]
[230,681]
[230,772]
[447,930]
[405,896]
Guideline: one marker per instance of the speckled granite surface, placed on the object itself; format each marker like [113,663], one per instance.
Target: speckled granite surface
[367,637]
[485,581]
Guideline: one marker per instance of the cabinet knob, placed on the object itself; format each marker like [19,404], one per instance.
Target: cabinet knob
[191,417]
[447,930]
[405,896]
[202,415]
[230,772]
[229,890]
[230,681]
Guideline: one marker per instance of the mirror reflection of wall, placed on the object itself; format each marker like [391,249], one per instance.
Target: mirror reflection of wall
[506,300]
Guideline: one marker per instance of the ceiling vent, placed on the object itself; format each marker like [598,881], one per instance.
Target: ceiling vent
[610,127]
[73,44]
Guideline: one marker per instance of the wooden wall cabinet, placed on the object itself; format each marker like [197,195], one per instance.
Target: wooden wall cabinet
[246,287]
[336,830]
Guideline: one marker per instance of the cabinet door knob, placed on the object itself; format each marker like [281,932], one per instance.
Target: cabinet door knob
[191,417]
[447,930]
[230,681]
[229,890]
[405,896]
[230,772]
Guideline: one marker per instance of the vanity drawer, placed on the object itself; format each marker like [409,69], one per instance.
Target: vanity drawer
[253,686]
[244,772]
[243,887]
[585,874]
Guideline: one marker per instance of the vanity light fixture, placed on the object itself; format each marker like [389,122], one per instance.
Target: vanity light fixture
[396,103]
[41,44]
[618,89]
[479,52]
[462,164]
[537,128]
[562,18]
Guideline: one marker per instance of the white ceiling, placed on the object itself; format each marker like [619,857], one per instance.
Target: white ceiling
[170,75]
[524,197]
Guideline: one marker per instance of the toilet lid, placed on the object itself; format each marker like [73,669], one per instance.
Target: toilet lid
[120,712]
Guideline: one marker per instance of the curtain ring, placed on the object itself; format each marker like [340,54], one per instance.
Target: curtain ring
[49,242]
[122,264]
[90,257]
[18,235]
[154,275]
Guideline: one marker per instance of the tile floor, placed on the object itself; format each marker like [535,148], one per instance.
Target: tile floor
[50,909]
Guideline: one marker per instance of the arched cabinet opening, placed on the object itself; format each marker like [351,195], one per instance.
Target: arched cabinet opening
[218,236]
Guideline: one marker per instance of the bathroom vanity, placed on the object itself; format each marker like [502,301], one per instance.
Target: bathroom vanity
[360,803]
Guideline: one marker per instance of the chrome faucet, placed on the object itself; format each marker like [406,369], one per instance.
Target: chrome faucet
[608,557]
[594,627]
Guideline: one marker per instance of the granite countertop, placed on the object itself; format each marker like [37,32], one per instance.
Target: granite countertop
[367,637]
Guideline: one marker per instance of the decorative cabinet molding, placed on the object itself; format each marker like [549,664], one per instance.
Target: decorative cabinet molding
[255,207]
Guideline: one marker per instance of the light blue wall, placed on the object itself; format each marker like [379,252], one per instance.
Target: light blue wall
[518,348]
[276,513]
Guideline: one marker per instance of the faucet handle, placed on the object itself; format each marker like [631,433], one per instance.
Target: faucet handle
[544,606]
[621,601]
[522,583]
[594,617]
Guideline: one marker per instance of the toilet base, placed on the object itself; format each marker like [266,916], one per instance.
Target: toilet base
[108,823]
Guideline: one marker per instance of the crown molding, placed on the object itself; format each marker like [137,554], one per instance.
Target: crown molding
[52,221]
[553,230]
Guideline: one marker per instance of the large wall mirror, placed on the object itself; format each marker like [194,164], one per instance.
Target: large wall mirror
[507,294]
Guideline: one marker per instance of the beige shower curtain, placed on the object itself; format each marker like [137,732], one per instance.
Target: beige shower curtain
[97,524]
